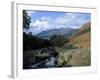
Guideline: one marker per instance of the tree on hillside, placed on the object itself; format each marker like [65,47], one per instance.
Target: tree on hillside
[26,20]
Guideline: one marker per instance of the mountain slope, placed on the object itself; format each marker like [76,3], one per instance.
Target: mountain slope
[80,50]
[82,37]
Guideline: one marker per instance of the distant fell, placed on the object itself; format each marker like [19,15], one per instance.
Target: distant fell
[66,32]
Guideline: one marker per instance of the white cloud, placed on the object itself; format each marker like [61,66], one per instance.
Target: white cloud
[39,24]
[72,20]
[43,18]
[30,13]
[66,18]
[45,23]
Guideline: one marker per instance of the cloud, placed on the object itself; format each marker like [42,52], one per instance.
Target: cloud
[30,13]
[72,20]
[40,25]
[64,19]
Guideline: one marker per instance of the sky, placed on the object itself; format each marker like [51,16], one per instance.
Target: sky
[46,20]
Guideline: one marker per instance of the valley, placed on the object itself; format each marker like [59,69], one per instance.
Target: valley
[58,48]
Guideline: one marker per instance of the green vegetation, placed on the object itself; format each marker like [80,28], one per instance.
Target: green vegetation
[58,40]
[32,42]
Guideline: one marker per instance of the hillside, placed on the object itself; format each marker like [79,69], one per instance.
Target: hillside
[82,37]
[80,50]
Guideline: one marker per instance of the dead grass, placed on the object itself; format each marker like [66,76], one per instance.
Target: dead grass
[81,40]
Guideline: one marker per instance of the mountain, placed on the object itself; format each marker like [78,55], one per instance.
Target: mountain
[82,37]
[61,31]
[81,42]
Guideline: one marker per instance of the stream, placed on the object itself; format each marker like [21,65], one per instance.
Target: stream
[48,63]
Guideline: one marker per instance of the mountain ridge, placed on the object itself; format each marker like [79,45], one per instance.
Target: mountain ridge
[61,31]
